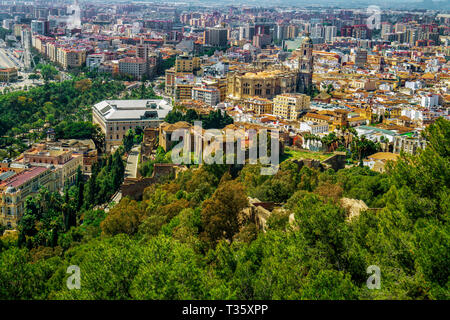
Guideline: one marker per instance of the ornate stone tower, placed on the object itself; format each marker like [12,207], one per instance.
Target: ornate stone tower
[305,65]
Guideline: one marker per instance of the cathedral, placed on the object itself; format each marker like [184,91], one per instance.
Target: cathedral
[278,79]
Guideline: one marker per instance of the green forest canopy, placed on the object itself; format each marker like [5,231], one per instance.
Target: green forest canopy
[70,100]
[187,240]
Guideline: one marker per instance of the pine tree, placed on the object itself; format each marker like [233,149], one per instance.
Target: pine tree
[91,191]
[80,195]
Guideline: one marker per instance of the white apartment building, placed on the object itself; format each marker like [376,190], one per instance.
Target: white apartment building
[210,96]
[330,33]
[430,101]
[94,60]
[386,28]
[414,85]
[137,67]
[413,114]
[314,127]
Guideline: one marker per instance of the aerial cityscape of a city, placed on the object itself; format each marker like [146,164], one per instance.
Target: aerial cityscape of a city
[224,150]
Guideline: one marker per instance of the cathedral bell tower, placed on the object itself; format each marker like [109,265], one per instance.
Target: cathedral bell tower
[305,65]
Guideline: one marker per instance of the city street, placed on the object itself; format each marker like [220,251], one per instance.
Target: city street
[132,163]
[5,60]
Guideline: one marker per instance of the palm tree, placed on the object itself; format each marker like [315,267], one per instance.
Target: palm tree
[349,133]
[330,141]
[11,152]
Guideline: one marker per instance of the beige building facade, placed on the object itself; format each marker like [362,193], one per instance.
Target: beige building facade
[264,84]
[62,161]
[15,190]
[290,106]
[258,106]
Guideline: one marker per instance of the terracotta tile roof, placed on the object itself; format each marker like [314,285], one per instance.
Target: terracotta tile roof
[23,177]
[317,116]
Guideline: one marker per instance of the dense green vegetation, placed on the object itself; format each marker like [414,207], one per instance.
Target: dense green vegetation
[143,92]
[146,168]
[214,120]
[294,154]
[49,216]
[77,130]
[4,32]
[48,71]
[166,64]
[65,105]
[70,100]
[357,147]
[187,238]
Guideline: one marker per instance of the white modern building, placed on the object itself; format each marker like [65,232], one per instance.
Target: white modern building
[376,134]
[412,113]
[330,33]
[116,117]
[414,85]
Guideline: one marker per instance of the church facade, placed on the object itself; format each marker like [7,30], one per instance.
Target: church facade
[275,80]
[264,84]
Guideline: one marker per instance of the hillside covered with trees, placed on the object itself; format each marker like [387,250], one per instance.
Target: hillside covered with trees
[65,105]
[188,238]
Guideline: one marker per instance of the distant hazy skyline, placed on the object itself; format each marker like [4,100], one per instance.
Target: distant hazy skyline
[441,5]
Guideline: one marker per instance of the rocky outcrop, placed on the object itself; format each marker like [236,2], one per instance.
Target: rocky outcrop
[353,207]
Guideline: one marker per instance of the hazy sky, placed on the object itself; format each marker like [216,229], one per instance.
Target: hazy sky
[441,5]
[405,4]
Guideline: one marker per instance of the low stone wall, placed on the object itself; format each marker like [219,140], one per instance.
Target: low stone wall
[336,161]
[310,163]
[134,187]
